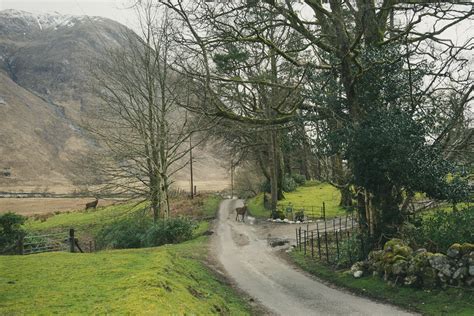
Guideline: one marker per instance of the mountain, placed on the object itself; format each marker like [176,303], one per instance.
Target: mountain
[45,91]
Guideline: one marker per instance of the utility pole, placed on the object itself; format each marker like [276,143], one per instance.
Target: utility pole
[191,166]
[231,179]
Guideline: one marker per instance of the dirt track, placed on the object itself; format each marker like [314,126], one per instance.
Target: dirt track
[242,250]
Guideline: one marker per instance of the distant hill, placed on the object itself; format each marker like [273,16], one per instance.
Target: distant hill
[45,89]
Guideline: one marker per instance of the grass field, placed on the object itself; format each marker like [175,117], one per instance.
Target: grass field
[310,196]
[83,220]
[452,301]
[30,206]
[164,280]
[170,279]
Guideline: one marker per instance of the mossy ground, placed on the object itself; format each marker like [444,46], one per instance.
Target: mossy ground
[309,196]
[171,279]
[452,301]
[164,280]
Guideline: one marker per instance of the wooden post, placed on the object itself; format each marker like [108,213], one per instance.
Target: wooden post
[20,244]
[326,242]
[231,179]
[71,240]
[195,190]
[191,165]
[304,246]
[312,245]
[349,249]
[337,246]
[319,242]
[299,233]
[296,237]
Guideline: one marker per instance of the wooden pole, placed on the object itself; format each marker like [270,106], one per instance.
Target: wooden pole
[299,233]
[324,211]
[312,245]
[231,180]
[305,233]
[326,242]
[296,237]
[71,240]
[20,244]
[319,242]
[191,166]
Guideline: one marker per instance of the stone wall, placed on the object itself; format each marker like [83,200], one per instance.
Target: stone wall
[397,263]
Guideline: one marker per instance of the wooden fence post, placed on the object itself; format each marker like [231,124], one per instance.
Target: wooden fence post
[305,233]
[312,245]
[20,244]
[299,233]
[349,248]
[71,240]
[326,242]
[296,237]
[319,242]
[324,211]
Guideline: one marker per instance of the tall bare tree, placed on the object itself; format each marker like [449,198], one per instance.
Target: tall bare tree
[140,123]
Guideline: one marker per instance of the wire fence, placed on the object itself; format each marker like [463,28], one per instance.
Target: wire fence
[336,242]
[303,212]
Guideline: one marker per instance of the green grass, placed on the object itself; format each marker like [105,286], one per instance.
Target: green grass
[452,301]
[256,208]
[211,206]
[82,220]
[309,196]
[165,280]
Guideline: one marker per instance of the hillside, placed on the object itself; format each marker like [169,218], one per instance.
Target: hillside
[46,89]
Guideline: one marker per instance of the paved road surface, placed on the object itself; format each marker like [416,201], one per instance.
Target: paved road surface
[255,267]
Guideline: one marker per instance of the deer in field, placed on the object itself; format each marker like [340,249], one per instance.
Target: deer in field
[241,211]
[92,204]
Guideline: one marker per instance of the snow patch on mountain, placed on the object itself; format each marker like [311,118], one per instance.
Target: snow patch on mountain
[45,21]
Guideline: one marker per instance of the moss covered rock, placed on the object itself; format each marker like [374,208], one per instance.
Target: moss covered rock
[467,248]
[454,251]
[429,278]
[440,262]
[390,245]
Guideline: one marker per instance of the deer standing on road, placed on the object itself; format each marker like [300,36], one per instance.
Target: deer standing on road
[92,204]
[241,211]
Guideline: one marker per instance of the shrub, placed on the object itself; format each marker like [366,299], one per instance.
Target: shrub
[278,214]
[441,230]
[350,251]
[299,179]
[169,231]
[124,233]
[10,231]
[289,184]
[136,232]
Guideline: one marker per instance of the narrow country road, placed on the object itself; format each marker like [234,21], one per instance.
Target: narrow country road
[255,268]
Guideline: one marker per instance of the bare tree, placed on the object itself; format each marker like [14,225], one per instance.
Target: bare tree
[140,123]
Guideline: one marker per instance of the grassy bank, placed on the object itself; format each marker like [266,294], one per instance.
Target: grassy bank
[452,301]
[170,279]
[309,196]
[164,280]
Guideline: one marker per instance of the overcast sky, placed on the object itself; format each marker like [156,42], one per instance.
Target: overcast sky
[117,10]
